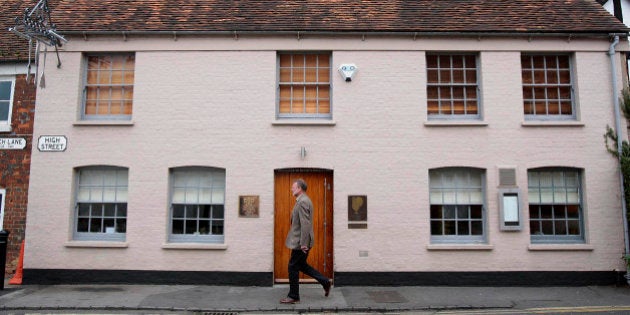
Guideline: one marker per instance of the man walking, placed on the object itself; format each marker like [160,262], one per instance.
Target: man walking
[300,240]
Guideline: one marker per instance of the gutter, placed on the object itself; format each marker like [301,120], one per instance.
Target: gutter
[624,211]
[338,33]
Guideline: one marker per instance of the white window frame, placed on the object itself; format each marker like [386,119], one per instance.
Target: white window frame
[546,116]
[5,125]
[437,193]
[557,190]
[194,190]
[120,190]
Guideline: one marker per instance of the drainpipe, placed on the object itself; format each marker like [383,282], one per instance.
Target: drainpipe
[624,211]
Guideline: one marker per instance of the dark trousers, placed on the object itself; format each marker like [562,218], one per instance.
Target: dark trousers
[298,263]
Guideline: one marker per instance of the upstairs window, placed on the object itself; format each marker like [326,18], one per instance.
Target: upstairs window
[6,102]
[304,85]
[547,87]
[452,88]
[108,92]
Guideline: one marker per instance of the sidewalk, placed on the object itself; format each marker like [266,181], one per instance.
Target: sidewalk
[191,298]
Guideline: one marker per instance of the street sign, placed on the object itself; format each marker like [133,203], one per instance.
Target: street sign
[12,143]
[52,143]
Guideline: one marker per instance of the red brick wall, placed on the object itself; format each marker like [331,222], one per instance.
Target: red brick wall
[15,167]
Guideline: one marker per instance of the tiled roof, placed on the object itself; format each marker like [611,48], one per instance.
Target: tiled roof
[424,16]
[12,47]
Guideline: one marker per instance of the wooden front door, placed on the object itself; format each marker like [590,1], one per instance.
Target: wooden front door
[320,190]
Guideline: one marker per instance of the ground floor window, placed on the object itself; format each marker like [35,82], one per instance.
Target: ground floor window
[555,205]
[457,205]
[101,203]
[197,205]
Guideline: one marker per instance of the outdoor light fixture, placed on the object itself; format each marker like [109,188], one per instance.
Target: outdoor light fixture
[303,152]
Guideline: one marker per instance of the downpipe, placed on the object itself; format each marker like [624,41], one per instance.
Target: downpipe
[615,88]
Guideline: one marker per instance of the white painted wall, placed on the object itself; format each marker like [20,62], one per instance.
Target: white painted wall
[211,102]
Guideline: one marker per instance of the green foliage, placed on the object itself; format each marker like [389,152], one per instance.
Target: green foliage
[611,145]
[624,102]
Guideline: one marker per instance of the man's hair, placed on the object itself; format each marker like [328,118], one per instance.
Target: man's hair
[301,183]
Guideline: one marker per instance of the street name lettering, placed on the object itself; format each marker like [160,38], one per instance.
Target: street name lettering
[12,143]
[52,143]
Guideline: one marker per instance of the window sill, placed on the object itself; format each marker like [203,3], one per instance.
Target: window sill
[194,246]
[459,247]
[5,128]
[552,124]
[103,123]
[455,123]
[303,122]
[96,244]
[560,247]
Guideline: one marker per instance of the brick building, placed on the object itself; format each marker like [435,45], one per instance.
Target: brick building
[444,142]
[17,110]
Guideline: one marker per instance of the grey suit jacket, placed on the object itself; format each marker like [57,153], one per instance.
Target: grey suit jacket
[301,231]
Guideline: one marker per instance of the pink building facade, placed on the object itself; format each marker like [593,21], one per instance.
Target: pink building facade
[448,160]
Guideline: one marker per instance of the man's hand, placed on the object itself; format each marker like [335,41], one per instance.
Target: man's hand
[304,248]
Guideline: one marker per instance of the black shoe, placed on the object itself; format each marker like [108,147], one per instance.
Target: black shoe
[327,288]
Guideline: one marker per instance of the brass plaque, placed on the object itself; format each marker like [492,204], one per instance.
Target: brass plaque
[248,206]
[357,212]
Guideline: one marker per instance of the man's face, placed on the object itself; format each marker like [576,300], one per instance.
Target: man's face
[295,189]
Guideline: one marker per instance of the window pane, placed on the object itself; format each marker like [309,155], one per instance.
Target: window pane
[217,227]
[462,228]
[205,211]
[95,225]
[476,211]
[178,227]
[83,225]
[449,227]
[84,210]
[217,212]
[561,227]
[462,213]
[436,228]
[432,76]
[178,211]
[204,227]
[190,227]
[534,212]
[121,225]
[121,210]
[436,212]
[547,227]
[476,228]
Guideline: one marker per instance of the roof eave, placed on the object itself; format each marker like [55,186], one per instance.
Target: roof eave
[525,34]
